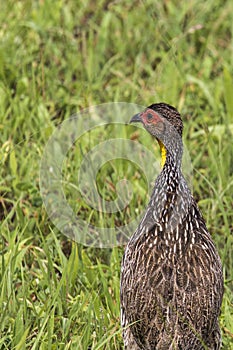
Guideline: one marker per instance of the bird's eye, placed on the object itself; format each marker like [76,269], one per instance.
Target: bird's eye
[149,117]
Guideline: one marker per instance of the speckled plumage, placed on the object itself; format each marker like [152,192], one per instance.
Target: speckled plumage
[171,278]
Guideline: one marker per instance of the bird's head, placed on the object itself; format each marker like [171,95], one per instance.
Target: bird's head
[164,123]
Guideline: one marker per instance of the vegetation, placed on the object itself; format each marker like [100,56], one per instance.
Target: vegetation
[57,58]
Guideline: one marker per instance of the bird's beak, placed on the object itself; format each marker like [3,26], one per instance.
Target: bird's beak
[136,118]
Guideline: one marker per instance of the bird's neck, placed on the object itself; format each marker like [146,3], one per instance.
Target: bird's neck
[171,156]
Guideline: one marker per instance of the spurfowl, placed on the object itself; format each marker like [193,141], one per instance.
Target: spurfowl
[171,279]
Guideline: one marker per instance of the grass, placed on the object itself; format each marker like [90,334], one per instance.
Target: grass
[57,58]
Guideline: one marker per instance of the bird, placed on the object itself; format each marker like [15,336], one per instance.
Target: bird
[171,284]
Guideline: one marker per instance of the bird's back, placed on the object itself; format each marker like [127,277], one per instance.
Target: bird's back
[172,297]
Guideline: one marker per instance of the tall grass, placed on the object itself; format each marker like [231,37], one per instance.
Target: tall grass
[57,58]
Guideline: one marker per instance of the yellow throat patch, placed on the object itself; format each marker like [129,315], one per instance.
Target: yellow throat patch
[163,153]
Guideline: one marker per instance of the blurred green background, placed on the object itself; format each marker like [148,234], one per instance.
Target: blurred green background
[57,58]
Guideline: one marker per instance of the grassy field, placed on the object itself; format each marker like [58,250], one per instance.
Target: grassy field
[57,58]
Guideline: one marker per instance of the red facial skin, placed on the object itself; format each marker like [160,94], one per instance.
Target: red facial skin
[150,117]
